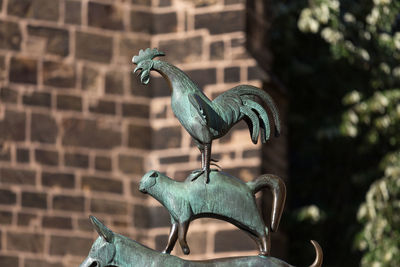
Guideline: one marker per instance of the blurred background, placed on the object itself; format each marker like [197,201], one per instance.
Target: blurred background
[77,130]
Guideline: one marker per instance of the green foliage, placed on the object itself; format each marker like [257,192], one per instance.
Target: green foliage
[340,61]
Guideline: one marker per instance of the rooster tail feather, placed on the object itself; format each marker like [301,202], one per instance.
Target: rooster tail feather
[252,121]
[146,55]
[265,97]
[264,121]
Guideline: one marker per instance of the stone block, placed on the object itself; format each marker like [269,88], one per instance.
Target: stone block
[141,21]
[217,50]
[203,77]
[23,155]
[138,89]
[7,197]
[12,126]
[42,263]
[10,36]
[5,153]
[59,74]
[17,176]
[37,99]
[141,2]
[68,203]
[73,12]
[114,83]
[57,40]
[174,159]
[232,75]
[5,216]
[183,50]
[58,179]
[150,217]
[164,23]
[56,222]
[168,137]
[8,260]
[8,95]
[128,47]
[43,128]
[103,163]
[23,70]
[135,110]
[90,79]
[37,9]
[130,164]
[139,136]
[26,219]
[70,245]
[69,102]
[256,73]
[220,22]
[46,157]
[107,206]
[87,133]
[76,160]
[100,184]
[34,200]
[103,107]
[233,240]
[106,16]
[93,47]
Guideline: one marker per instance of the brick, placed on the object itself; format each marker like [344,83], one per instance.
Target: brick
[59,74]
[41,263]
[164,3]
[100,184]
[8,260]
[43,128]
[203,77]
[130,164]
[220,22]
[26,242]
[46,157]
[174,159]
[57,40]
[37,99]
[5,153]
[71,203]
[73,12]
[5,217]
[23,155]
[103,107]
[23,70]
[183,50]
[58,179]
[3,70]
[38,9]
[10,36]
[232,75]
[85,225]
[217,50]
[233,240]
[138,89]
[256,73]
[105,16]
[108,206]
[70,245]
[69,102]
[90,79]
[159,87]
[76,160]
[141,2]
[164,23]
[150,217]
[34,200]
[252,153]
[56,222]
[26,219]
[232,2]
[141,21]
[139,136]
[114,83]
[103,163]
[93,47]
[8,95]
[135,110]
[238,42]
[7,197]
[17,176]
[128,47]
[168,137]
[86,133]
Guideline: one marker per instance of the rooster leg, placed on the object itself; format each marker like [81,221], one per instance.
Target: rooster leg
[205,163]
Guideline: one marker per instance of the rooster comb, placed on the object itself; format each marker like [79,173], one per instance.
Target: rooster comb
[146,55]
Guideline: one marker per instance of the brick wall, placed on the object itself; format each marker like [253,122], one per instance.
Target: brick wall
[77,130]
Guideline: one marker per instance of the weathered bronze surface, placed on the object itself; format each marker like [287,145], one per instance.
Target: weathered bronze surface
[111,249]
[206,120]
[224,197]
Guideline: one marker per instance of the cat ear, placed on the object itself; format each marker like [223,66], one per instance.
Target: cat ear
[101,229]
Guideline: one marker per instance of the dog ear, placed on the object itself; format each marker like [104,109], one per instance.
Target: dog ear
[101,229]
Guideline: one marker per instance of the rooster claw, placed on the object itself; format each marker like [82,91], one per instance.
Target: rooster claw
[197,173]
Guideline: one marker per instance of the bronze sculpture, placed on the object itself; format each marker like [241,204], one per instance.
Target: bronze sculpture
[222,196]
[225,197]
[206,120]
[112,249]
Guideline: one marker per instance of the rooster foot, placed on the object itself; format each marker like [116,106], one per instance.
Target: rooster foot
[197,173]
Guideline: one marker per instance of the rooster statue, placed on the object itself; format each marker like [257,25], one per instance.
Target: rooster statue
[206,120]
